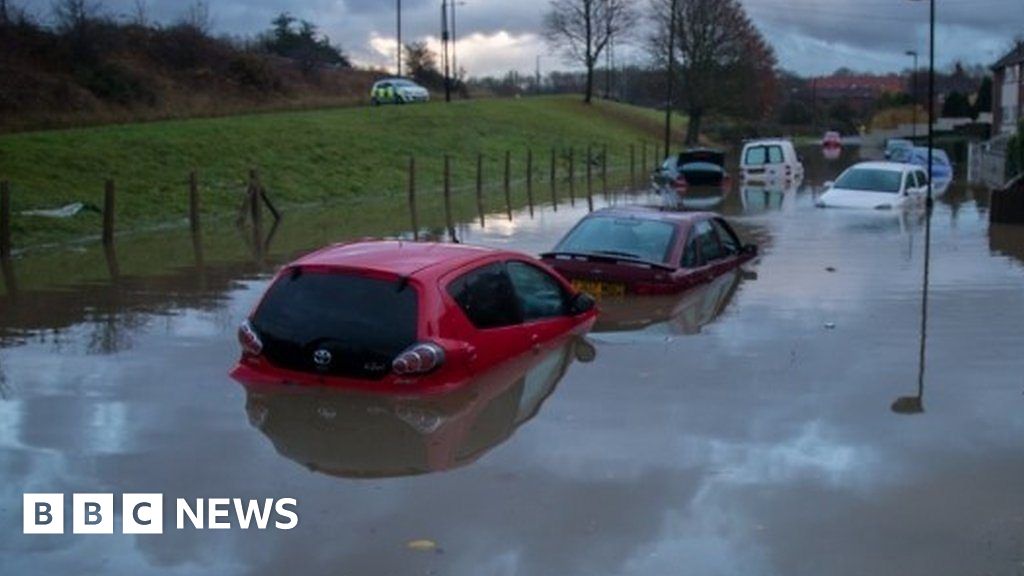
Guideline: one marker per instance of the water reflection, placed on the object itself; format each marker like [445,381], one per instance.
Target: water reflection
[762,197]
[681,315]
[359,435]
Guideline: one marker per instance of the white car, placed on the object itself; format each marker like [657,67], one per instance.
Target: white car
[877,185]
[397,91]
[773,160]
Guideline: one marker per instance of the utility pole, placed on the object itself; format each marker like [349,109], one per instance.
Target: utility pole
[931,105]
[538,84]
[671,76]
[399,25]
[913,89]
[444,51]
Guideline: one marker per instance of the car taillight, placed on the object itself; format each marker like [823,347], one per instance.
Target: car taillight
[249,340]
[420,358]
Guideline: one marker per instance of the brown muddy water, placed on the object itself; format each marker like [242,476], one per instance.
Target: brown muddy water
[775,422]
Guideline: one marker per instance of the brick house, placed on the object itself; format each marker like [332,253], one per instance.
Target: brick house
[1008,91]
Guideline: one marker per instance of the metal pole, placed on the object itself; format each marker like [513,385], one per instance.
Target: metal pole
[931,104]
[671,75]
[399,23]
[444,51]
[455,60]
[412,199]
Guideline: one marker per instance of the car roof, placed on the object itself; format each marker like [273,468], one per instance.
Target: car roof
[397,257]
[888,166]
[769,141]
[655,214]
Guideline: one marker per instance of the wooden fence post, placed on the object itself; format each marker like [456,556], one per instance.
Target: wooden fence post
[448,198]
[529,180]
[414,217]
[508,183]
[5,219]
[572,177]
[554,178]
[632,166]
[254,198]
[108,213]
[590,179]
[480,188]
[604,170]
[193,202]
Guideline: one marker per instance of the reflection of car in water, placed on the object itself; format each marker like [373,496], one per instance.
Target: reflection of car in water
[359,435]
[760,197]
[832,141]
[637,250]
[832,153]
[685,314]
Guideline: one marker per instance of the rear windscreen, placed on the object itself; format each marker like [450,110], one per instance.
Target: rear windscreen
[647,240]
[339,324]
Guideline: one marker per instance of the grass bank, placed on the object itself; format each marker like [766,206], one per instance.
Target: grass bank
[304,157]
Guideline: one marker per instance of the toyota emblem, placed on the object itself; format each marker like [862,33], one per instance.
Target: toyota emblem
[322,358]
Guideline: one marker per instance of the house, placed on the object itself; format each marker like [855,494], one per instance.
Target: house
[858,90]
[1008,91]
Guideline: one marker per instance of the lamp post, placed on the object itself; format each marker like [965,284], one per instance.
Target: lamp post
[444,51]
[931,98]
[913,89]
[455,61]
[398,24]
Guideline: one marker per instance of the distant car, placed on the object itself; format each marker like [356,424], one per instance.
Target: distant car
[398,91]
[942,167]
[897,149]
[692,167]
[637,250]
[877,185]
[771,160]
[353,434]
[832,139]
[391,316]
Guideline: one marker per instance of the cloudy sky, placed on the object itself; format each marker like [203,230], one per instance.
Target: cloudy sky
[810,36]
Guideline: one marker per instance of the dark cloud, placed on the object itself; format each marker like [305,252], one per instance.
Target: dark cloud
[810,35]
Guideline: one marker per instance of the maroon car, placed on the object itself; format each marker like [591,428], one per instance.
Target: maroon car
[639,250]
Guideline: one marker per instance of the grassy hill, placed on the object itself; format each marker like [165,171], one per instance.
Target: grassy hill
[305,158]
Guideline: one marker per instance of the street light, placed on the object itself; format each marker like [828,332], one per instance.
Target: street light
[399,26]
[913,89]
[931,97]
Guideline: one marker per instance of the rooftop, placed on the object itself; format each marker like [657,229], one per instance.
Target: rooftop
[393,256]
[1015,56]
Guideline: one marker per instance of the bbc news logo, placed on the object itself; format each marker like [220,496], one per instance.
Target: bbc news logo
[144,514]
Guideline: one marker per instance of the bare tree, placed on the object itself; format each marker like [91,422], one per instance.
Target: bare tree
[197,16]
[3,12]
[721,55]
[74,15]
[140,13]
[582,30]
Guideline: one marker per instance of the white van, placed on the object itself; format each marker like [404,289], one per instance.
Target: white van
[773,160]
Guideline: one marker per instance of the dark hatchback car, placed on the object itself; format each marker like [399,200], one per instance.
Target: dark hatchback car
[638,250]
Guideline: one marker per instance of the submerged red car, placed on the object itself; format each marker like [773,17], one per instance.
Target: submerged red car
[638,250]
[395,316]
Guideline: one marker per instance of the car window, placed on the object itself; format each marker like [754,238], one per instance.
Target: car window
[922,177]
[775,155]
[707,239]
[540,295]
[487,297]
[870,180]
[910,181]
[691,254]
[727,238]
[633,238]
[363,322]
[756,156]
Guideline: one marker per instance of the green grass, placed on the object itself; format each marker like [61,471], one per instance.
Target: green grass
[304,158]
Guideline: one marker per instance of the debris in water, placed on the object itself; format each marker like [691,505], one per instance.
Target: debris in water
[830,325]
[422,545]
[830,269]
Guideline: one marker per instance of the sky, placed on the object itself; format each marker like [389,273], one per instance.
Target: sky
[495,36]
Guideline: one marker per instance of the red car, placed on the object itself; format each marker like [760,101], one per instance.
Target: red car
[392,316]
[637,250]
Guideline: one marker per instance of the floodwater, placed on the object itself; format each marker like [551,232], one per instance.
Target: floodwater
[779,421]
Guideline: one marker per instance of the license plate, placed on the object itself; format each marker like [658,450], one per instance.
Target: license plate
[600,289]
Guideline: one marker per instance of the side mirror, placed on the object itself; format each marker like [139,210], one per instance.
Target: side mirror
[829,184]
[581,304]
